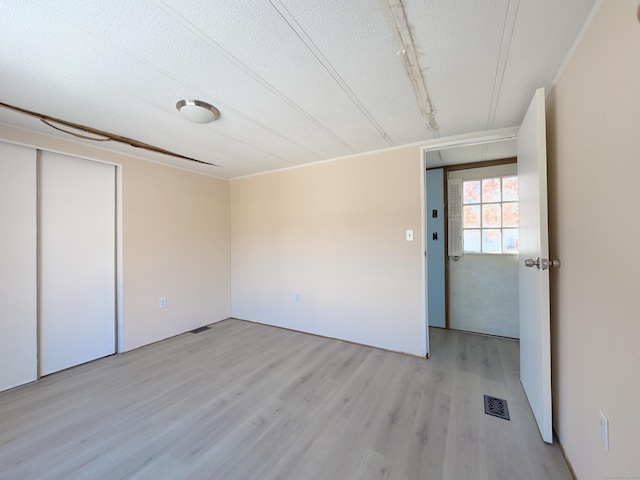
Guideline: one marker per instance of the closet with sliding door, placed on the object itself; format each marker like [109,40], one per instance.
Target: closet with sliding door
[58,262]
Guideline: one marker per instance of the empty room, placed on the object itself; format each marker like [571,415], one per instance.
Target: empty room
[268,239]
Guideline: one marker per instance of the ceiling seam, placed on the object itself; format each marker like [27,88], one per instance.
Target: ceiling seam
[505,46]
[247,70]
[326,64]
[162,72]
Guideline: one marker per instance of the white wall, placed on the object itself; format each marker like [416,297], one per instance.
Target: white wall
[18,301]
[593,122]
[334,233]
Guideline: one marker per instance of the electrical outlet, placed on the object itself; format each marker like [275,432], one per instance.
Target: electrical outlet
[163,302]
[604,430]
[297,297]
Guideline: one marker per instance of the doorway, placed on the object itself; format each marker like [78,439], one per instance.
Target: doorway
[483,276]
[533,272]
[471,288]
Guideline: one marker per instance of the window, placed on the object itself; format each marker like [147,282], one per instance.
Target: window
[490,215]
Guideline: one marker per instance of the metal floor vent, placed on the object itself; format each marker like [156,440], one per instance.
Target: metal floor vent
[496,407]
[200,330]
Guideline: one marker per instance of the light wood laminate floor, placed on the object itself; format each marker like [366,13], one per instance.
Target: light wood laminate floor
[248,401]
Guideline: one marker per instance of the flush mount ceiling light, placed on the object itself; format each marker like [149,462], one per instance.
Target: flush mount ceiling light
[198,111]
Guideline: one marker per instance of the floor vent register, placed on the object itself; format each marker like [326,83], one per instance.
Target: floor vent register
[201,329]
[496,407]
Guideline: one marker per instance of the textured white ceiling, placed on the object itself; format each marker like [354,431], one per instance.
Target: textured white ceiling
[295,81]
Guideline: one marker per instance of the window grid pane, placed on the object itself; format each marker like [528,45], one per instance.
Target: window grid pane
[510,189]
[510,240]
[472,241]
[510,214]
[491,215]
[471,216]
[491,240]
[491,190]
[471,192]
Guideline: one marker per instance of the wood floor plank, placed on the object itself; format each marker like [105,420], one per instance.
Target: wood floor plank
[249,401]
[426,447]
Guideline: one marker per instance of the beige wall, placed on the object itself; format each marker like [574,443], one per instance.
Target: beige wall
[176,245]
[175,241]
[334,233]
[594,151]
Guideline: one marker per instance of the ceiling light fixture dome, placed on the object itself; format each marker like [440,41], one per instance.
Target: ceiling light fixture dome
[198,111]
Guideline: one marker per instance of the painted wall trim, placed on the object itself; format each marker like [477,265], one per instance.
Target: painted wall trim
[479,138]
[423,227]
[119,263]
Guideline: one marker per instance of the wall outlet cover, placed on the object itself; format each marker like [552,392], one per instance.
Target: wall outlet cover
[604,430]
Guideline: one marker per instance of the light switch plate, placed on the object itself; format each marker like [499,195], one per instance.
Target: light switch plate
[409,235]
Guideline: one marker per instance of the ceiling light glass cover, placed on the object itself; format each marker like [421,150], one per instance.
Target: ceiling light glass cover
[198,111]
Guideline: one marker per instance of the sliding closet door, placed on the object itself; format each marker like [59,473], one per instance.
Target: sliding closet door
[18,300]
[77,261]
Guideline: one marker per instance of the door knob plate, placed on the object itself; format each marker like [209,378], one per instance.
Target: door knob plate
[542,263]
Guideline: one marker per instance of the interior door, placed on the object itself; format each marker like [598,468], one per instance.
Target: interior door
[535,343]
[77,261]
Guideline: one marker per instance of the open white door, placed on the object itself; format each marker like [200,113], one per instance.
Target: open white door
[535,342]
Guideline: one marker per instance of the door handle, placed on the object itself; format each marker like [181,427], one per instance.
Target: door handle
[543,263]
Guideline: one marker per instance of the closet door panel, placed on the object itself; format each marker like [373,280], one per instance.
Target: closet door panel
[77,261]
[18,294]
